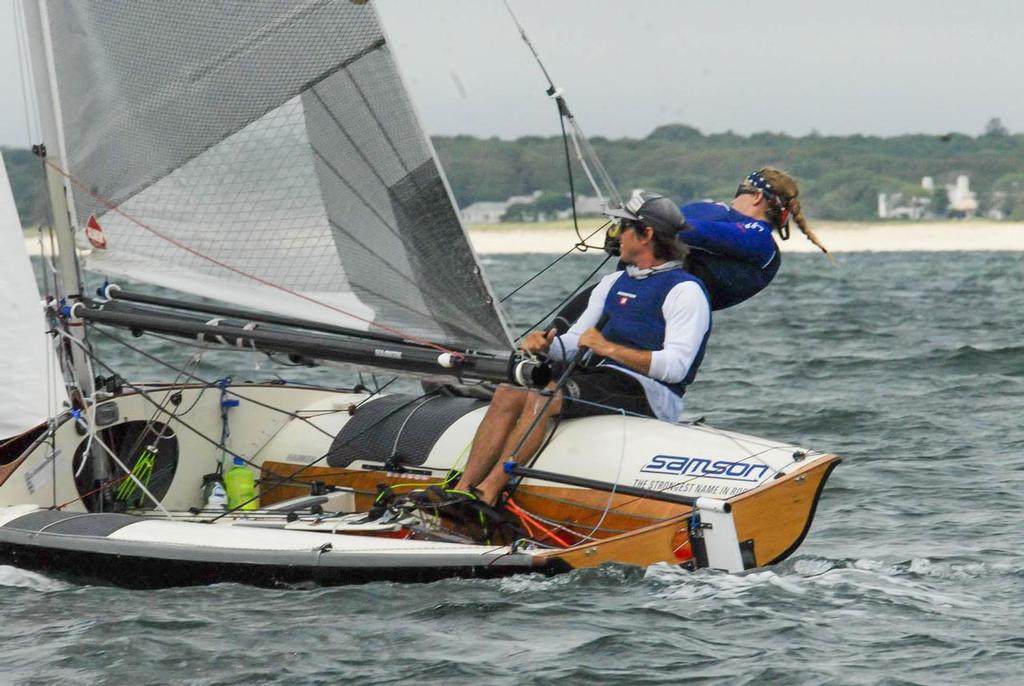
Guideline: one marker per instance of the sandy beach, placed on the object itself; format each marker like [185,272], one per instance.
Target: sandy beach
[558,237]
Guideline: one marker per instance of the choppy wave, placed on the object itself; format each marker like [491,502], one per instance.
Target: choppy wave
[12,577]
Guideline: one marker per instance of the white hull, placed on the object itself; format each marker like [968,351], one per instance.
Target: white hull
[681,459]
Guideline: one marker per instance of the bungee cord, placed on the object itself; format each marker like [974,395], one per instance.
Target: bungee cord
[615,481]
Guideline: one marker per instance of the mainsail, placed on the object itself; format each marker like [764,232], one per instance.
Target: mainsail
[264,154]
[33,388]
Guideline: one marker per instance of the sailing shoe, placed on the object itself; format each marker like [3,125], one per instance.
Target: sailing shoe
[481,521]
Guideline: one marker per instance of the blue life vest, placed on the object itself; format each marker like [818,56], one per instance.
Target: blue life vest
[635,318]
[733,254]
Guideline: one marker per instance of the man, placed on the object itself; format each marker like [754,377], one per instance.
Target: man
[659,318]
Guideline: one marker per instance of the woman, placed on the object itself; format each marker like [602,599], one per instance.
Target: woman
[731,247]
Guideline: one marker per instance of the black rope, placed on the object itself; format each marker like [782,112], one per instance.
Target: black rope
[568,165]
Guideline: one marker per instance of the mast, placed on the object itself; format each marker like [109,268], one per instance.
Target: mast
[51,150]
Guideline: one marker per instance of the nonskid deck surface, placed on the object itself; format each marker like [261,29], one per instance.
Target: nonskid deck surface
[143,552]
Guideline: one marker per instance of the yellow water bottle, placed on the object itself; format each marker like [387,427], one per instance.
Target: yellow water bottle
[241,487]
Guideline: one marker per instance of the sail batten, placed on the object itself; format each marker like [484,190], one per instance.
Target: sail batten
[265,143]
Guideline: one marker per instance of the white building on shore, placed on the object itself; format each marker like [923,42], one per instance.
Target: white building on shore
[492,212]
[483,212]
[962,201]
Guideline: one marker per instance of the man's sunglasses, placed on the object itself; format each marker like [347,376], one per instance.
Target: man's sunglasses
[619,227]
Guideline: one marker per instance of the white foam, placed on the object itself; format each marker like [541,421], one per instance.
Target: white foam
[19,578]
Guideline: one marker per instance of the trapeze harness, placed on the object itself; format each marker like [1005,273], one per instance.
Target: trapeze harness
[733,254]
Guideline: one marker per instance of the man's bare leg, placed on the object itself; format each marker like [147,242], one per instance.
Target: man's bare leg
[491,487]
[505,409]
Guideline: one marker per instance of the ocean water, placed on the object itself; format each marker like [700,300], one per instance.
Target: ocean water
[910,366]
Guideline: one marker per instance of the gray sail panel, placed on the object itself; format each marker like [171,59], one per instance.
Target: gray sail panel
[146,85]
[376,170]
[256,151]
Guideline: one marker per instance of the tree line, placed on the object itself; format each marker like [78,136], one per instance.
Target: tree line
[841,176]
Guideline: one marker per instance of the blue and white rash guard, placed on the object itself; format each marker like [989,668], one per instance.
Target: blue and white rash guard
[733,254]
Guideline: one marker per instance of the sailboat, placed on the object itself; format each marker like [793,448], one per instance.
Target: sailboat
[264,162]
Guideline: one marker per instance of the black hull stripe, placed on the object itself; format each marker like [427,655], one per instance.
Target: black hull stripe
[139,572]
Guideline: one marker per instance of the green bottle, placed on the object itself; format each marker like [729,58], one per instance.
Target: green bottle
[241,487]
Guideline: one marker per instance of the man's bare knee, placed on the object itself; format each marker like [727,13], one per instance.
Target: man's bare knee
[537,401]
[510,398]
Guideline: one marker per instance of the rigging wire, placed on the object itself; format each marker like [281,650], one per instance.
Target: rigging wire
[93,435]
[290,478]
[568,169]
[281,481]
[167,432]
[219,445]
[565,300]
[618,475]
[583,151]
[360,386]
[131,475]
[194,377]
[673,486]
[89,403]
[582,246]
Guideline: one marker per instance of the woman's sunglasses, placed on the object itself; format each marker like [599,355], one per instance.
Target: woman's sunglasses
[747,190]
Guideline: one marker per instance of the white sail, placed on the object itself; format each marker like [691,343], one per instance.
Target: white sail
[32,385]
[265,154]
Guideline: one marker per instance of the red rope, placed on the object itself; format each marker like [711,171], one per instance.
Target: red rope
[114,208]
[83,496]
[524,516]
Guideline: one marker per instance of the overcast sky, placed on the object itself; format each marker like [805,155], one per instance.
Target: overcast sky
[873,67]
